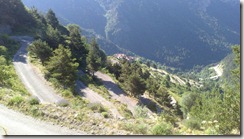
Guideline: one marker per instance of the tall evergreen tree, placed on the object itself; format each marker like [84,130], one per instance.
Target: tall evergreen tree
[76,45]
[95,58]
[53,37]
[135,85]
[152,86]
[62,66]
[40,50]
[52,19]
[163,97]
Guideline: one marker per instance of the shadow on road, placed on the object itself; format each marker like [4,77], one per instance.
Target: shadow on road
[114,88]
[149,104]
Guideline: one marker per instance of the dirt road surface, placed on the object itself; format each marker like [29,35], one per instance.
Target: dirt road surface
[33,81]
[116,92]
[16,123]
[94,97]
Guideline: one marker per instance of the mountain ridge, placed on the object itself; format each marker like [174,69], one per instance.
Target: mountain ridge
[180,34]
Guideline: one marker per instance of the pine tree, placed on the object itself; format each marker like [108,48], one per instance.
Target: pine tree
[135,85]
[152,86]
[76,45]
[40,50]
[95,58]
[62,66]
[53,37]
[52,19]
[75,36]
[163,97]
[125,71]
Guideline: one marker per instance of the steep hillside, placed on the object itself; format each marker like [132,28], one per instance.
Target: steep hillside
[176,33]
[14,17]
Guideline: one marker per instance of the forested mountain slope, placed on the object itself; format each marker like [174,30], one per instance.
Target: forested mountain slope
[72,63]
[179,33]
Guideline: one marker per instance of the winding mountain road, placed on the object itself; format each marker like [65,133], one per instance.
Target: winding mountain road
[15,123]
[35,83]
[94,97]
[116,92]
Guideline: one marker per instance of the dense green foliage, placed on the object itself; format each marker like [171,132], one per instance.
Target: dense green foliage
[8,76]
[95,58]
[62,51]
[162,128]
[220,105]
[62,66]
[51,19]
[135,79]
[40,50]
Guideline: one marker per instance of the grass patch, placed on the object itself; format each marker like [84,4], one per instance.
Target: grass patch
[192,124]
[141,112]
[139,127]
[122,108]
[97,107]
[36,112]
[16,100]
[67,94]
[162,128]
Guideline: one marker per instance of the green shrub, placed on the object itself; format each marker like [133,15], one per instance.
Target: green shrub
[97,107]
[16,100]
[54,82]
[78,102]
[188,101]
[125,111]
[162,128]
[81,116]
[137,128]
[67,93]
[141,112]
[105,114]
[140,129]
[36,112]
[3,50]
[33,101]
[168,117]
[211,131]
[192,124]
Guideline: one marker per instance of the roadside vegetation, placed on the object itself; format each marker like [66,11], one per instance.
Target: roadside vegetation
[61,53]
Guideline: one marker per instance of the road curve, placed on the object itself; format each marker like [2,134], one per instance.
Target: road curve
[116,92]
[33,82]
[15,123]
[94,97]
